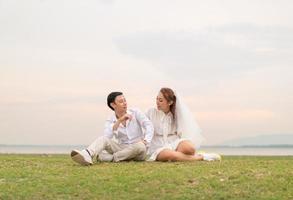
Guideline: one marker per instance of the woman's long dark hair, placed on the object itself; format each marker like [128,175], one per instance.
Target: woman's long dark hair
[169,95]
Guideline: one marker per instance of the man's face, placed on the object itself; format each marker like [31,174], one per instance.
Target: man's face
[120,104]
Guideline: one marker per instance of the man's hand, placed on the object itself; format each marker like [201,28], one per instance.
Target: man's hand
[124,118]
[145,142]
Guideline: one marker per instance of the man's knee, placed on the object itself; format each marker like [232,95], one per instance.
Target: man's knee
[131,152]
[105,139]
[140,148]
[109,144]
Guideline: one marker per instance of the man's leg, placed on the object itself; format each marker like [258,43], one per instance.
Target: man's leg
[142,155]
[103,143]
[110,148]
[135,151]
[85,157]
[105,156]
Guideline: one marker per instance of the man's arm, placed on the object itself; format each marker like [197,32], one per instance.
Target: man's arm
[122,119]
[112,127]
[108,130]
[147,125]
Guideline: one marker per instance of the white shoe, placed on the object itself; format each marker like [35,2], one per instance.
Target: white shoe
[82,157]
[211,157]
[105,157]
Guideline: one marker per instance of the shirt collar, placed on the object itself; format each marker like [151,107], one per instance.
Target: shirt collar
[169,114]
[114,118]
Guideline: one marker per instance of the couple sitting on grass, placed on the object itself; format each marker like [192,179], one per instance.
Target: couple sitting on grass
[165,133]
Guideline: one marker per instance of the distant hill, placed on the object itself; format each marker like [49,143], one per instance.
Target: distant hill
[261,140]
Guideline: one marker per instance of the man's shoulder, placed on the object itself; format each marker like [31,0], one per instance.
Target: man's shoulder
[152,111]
[134,110]
[111,117]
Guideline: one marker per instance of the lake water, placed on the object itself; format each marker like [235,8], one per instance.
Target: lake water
[30,149]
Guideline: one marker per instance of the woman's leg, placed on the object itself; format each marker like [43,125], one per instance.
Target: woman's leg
[186,147]
[170,155]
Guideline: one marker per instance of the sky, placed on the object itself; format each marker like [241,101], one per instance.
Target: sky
[230,60]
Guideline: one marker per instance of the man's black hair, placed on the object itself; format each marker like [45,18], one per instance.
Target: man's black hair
[111,98]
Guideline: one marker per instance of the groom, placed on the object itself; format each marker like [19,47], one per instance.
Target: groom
[125,125]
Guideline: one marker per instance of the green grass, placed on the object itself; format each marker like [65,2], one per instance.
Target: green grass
[57,177]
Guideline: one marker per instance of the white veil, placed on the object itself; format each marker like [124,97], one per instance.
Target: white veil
[187,126]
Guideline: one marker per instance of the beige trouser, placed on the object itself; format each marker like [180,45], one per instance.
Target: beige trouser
[120,152]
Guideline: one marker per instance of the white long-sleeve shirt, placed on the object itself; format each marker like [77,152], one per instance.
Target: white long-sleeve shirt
[133,131]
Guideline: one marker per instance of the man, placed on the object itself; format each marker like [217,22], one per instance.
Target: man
[126,126]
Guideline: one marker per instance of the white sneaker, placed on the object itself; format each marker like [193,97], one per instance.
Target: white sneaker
[211,157]
[105,157]
[82,157]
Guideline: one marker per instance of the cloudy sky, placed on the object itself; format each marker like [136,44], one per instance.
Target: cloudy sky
[230,60]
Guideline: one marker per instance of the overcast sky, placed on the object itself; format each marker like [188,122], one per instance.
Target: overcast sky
[230,60]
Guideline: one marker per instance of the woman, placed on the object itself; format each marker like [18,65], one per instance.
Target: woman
[176,134]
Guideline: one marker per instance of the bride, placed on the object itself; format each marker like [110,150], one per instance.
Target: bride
[176,134]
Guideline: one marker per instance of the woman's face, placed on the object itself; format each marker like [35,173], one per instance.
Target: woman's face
[162,103]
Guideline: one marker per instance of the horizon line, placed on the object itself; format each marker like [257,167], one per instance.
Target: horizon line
[202,146]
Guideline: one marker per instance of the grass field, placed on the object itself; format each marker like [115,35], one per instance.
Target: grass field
[57,177]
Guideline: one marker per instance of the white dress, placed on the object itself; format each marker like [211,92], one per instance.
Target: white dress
[165,133]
